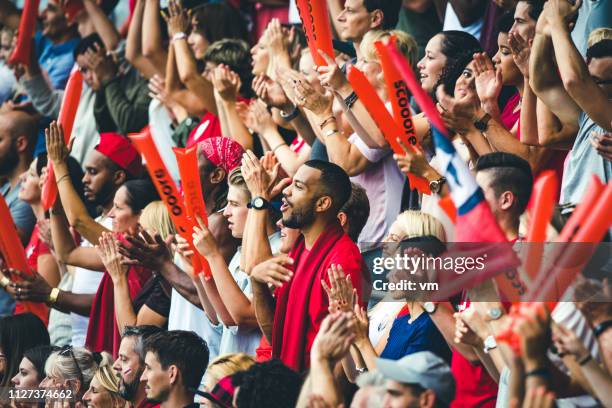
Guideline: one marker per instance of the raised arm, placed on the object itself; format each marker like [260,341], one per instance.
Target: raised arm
[340,151]
[108,251]
[102,24]
[152,42]
[133,49]
[75,209]
[578,82]
[227,85]
[544,80]
[237,304]
[178,22]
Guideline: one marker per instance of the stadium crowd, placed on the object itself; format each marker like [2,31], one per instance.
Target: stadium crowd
[266,299]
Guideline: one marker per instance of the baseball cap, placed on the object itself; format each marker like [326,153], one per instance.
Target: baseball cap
[222,393]
[424,369]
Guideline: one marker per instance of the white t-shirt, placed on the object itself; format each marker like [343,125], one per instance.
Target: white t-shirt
[294,15]
[161,132]
[186,316]
[237,339]
[451,22]
[85,281]
[383,182]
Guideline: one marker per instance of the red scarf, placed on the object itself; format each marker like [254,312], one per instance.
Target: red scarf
[302,303]
[102,331]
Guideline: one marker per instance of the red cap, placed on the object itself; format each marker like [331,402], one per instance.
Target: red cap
[120,150]
[222,152]
[72,8]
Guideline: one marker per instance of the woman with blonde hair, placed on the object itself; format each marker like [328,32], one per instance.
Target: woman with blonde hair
[399,325]
[71,370]
[219,369]
[103,390]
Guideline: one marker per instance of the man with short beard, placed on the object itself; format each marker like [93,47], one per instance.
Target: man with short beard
[130,365]
[17,140]
[311,204]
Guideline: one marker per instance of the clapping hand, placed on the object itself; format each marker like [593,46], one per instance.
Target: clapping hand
[108,250]
[342,296]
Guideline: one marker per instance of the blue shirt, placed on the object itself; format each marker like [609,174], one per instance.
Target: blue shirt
[24,219]
[56,59]
[420,335]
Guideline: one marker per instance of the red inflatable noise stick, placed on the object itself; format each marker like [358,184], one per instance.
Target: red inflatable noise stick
[27,26]
[72,8]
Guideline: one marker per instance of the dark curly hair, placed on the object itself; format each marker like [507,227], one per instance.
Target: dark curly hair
[451,73]
[269,384]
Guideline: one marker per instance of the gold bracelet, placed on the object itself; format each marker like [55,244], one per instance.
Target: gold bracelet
[65,176]
[53,296]
[4,282]
[327,121]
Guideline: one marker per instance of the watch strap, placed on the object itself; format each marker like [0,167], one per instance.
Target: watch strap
[602,327]
[290,116]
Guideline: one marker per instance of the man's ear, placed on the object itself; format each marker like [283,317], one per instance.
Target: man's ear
[21,144]
[343,218]
[217,175]
[427,399]
[506,200]
[119,177]
[377,17]
[323,204]
[173,375]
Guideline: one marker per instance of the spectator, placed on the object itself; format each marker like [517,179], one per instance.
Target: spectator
[71,369]
[32,367]
[240,330]
[361,16]
[130,365]
[53,44]
[371,390]
[104,388]
[267,384]
[507,182]
[170,373]
[218,377]
[299,211]
[420,379]
[17,141]
[17,335]
[578,96]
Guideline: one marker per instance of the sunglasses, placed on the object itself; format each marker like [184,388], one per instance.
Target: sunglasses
[67,351]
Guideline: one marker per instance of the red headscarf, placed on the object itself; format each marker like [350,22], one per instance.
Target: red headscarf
[222,152]
[120,150]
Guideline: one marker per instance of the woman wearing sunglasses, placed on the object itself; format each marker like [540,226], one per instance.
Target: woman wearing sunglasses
[69,372]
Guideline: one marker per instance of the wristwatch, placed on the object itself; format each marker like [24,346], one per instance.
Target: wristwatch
[430,307]
[495,313]
[436,185]
[258,203]
[291,115]
[602,327]
[53,296]
[489,344]
[483,123]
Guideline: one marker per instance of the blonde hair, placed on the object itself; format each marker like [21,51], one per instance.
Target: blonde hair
[418,224]
[107,377]
[406,44]
[75,363]
[226,365]
[598,35]
[155,217]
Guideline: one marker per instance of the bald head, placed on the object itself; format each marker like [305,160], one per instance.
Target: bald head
[20,124]
[18,131]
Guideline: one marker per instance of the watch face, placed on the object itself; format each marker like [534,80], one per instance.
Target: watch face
[480,125]
[429,307]
[495,313]
[258,202]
